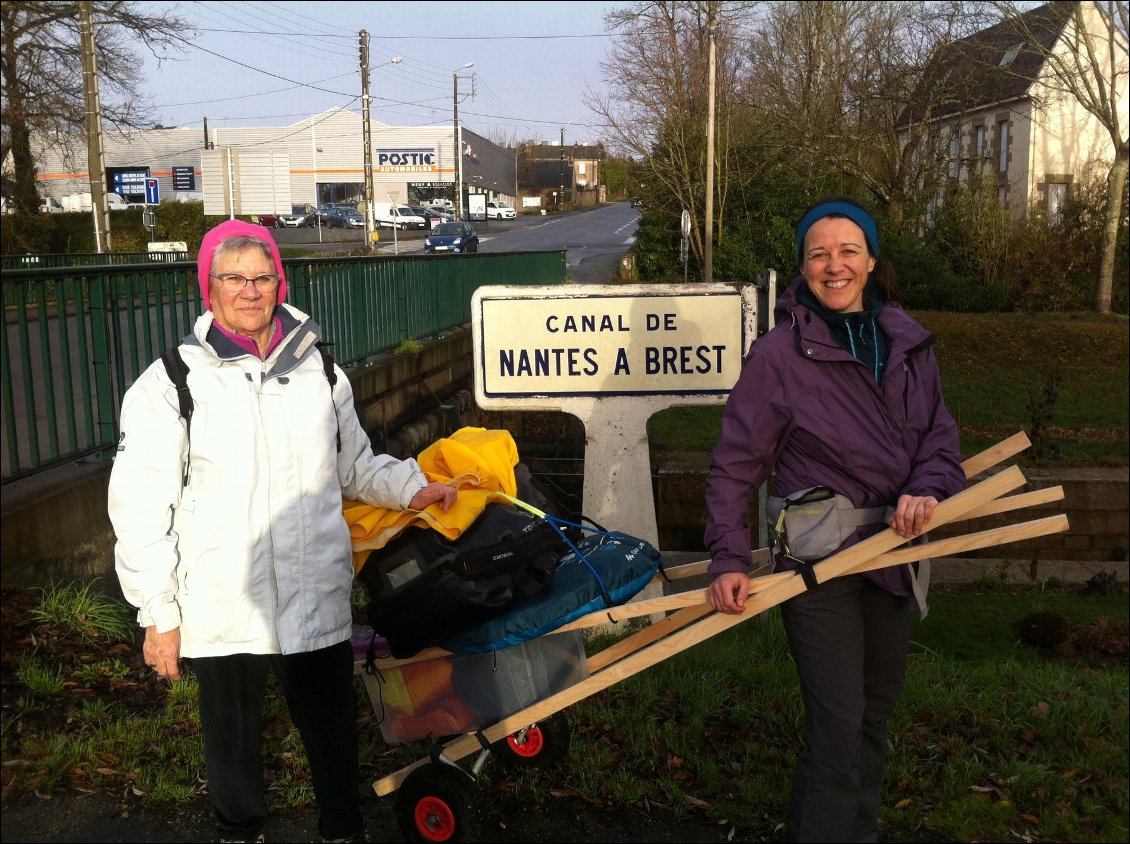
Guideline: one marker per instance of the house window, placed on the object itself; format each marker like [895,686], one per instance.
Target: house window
[1056,193]
[1002,143]
[979,143]
[955,155]
[1010,55]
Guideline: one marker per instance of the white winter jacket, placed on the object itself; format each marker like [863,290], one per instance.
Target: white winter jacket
[252,555]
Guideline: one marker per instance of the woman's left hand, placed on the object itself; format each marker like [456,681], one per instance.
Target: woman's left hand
[432,493]
[912,514]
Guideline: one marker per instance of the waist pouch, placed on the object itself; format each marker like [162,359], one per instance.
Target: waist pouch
[812,523]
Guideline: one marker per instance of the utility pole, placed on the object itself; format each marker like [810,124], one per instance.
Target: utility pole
[708,251]
[96,166]
[561,172]
[367,135]
[458,135]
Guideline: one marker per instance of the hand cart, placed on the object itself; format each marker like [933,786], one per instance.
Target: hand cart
[435,801]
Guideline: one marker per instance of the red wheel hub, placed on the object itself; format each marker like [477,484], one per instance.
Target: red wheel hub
[434,819]
[528,744]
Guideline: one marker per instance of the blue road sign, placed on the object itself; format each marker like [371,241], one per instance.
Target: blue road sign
[152,193]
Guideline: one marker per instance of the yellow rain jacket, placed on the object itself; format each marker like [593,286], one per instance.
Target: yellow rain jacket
[478,462]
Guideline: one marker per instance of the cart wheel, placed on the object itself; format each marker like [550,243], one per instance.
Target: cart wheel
[435,803]
[541,745]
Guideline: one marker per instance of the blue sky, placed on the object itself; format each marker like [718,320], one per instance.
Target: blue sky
[529,81]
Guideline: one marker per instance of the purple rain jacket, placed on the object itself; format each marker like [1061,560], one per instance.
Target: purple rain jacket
[809,411]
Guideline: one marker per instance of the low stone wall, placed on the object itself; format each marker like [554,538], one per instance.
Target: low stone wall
[1096,502]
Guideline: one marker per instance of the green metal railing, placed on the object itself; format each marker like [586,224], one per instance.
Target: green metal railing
[76,337]
[87,259]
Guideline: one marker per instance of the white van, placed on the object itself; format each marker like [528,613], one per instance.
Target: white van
[84,202]
[398,215]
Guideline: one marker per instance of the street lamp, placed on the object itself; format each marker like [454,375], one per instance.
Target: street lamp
[458,136]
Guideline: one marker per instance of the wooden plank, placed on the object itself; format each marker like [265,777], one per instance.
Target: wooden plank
[993,455]
[968,542]
[711,625]
[651,633]
[1015,502]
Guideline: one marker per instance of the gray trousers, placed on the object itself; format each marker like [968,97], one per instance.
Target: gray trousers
[849,639]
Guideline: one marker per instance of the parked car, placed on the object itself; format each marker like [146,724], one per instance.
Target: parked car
[297,218]
[345,217]
[270,220]
[500,211]
[452,237]
[448,214]
[431,218]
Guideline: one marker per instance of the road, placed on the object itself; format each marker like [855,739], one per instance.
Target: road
[594,239]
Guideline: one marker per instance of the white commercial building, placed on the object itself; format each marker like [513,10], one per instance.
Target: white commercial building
[317,161]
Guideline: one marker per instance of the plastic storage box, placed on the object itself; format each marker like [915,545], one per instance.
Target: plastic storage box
[461,693]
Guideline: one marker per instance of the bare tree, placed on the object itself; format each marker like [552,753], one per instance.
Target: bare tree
[849,83]
[41,75]
[654,107]
[1089,63]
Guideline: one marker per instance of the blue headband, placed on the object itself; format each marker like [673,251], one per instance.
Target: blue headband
[845,209]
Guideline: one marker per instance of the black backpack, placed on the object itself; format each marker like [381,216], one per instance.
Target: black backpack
[422,587]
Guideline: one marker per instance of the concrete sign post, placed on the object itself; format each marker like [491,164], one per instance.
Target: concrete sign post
[611,355]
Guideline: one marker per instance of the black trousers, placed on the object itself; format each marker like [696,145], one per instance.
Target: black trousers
[319,694]
[849,639]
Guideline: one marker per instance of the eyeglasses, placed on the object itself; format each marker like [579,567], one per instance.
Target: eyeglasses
[234,282]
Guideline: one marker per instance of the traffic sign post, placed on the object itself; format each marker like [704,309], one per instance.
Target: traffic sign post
[152,192]
[684,245]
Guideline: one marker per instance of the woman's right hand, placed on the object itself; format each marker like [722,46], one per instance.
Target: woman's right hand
[162,651]
[727,592]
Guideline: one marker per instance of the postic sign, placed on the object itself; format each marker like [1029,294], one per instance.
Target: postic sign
[405,160]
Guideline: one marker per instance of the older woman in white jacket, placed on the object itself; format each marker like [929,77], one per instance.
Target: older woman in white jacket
[230,534]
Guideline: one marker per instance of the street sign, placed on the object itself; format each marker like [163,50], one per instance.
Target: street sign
[152,192]
[184,178]
[686,223]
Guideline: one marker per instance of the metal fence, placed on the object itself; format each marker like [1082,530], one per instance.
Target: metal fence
[76,337]
[88,259]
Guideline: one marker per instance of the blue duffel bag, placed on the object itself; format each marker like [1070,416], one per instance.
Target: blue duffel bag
[604,569]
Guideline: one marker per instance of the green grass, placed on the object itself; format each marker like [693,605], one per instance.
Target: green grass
[83,610]
[993,740]
[993,367]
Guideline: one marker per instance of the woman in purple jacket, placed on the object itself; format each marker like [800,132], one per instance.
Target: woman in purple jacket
[845,394]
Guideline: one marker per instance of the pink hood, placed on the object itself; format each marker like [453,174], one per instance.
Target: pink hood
[226,231]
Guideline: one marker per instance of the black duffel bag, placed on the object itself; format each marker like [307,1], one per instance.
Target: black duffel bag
[422,587]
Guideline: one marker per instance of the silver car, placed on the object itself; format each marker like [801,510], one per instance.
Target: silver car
[345,218]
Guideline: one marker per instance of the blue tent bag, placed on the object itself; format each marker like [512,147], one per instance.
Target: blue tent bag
[603,570]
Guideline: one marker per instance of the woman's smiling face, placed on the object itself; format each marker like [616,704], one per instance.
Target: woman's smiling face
[837,263]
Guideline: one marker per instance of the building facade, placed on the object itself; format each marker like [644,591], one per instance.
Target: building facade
[1002,117]
[319,160]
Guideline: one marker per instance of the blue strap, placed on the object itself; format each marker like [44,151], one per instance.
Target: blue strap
[556,523]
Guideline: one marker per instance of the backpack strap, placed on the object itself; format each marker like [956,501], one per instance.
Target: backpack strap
[331,376]
[178,373]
